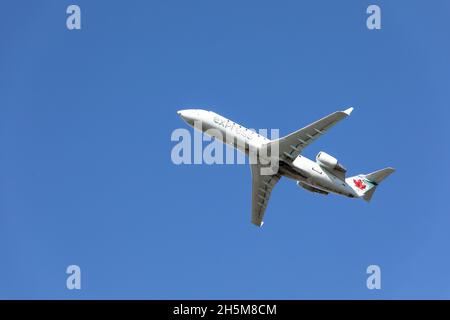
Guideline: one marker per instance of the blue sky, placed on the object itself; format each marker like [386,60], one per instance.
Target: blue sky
[86,174]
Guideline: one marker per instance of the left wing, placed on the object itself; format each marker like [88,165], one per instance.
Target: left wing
[262,186]
[291,145]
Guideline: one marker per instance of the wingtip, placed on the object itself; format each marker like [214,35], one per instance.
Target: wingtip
[258,224]
[348,111]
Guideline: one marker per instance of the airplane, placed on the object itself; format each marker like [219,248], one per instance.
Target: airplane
[325,175]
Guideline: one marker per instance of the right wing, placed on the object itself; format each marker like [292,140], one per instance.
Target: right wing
[291,145]
[262,186]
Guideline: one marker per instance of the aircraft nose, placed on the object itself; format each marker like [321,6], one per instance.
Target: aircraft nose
[183,113]
[187,115]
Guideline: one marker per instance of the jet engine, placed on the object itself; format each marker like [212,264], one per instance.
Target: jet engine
[329,162]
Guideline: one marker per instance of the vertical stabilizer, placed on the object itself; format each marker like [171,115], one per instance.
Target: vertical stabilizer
[365,184]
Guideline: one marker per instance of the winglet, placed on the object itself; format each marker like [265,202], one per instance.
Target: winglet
[348,111]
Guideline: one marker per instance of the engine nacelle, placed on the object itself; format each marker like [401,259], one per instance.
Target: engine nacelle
[329,162]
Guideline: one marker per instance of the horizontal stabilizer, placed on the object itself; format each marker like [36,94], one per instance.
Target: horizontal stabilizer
[379,175]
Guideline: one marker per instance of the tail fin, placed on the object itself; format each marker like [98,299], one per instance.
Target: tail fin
[365,184]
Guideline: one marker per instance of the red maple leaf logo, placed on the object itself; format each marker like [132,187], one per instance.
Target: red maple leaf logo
[359,183]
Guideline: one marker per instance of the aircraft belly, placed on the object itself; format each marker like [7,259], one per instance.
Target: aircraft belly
[318,178]
[332,185]
[294,173]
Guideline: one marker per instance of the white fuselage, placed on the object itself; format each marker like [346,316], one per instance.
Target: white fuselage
[301,169]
